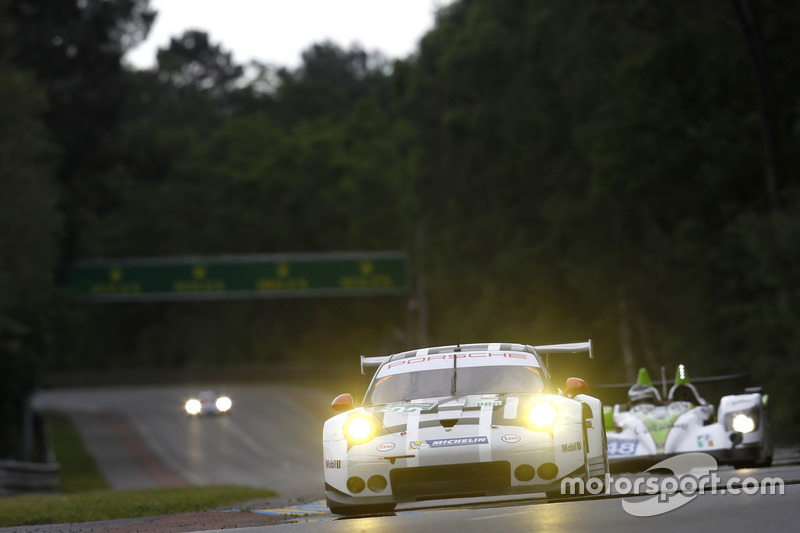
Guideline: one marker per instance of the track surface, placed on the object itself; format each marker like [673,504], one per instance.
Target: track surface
[141,438]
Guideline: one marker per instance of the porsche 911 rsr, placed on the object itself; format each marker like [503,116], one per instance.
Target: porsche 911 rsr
[460,421]
[648,428]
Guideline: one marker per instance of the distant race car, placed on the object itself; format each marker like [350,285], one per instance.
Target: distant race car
[648,428]
[208,403]
[458,421]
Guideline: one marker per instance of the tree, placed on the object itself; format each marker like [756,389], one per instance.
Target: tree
[329,83]
[28,242]
[614,132]
[75,48]
[192,61]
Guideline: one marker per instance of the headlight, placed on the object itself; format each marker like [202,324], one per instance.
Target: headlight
[192,406]
[224,403]
[744,420]
[743,423]
[542,415]
[359,429]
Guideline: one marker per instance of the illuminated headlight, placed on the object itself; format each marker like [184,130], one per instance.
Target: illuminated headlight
[542,415]
[192,406]
[224,403]
[743,423]
[359,429]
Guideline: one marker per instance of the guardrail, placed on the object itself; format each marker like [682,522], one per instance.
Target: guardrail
[18,477]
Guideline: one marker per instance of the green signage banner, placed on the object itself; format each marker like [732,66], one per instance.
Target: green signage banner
[241,277]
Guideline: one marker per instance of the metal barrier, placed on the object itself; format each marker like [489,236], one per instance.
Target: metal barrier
[17,477]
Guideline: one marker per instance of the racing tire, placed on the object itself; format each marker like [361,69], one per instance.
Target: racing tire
[352,510]
[557,495]
[757,463]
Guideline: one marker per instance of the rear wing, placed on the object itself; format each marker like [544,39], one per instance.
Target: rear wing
[572,347]
[545,349]
[372,361]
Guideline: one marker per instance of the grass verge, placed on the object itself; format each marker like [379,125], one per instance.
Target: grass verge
[78,470]
[110,505]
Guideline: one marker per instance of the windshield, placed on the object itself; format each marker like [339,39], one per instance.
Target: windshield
[438,383]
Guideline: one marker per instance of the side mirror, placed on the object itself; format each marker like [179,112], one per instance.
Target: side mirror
[343,402]
[575,386]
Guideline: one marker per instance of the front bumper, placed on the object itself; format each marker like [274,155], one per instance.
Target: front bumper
[744,454]
[410,484]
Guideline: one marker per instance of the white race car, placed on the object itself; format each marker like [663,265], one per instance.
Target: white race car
[648,428]
[459,421]
[208,403]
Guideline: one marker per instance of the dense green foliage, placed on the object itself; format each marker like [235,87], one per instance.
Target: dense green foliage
[558,170]
[28,241]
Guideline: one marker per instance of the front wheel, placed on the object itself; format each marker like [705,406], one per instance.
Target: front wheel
[365,509]
[557,495]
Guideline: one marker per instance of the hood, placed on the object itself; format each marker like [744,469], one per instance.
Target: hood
[444,412]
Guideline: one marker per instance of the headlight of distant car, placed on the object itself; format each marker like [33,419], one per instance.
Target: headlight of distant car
[743,423]
[192,406]
[542,415]
[359,428]
[224,403]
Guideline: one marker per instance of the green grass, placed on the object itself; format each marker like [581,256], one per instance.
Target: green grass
[110,505]
[78,470]
[85,496]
